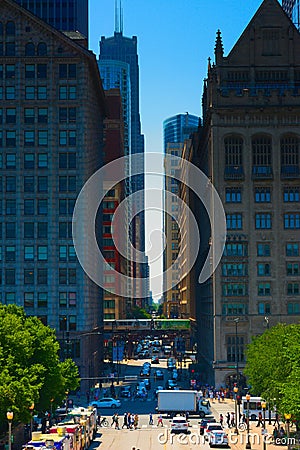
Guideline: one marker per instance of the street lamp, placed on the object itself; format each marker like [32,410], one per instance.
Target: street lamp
[236,390]
[236,320]
[264,405]
[9,416]
[31,408]
[248,445]
[288,418]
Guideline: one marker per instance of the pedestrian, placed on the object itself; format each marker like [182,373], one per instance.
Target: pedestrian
[259,422]
[131,421]
[160,421]
[128,420]
[125,423]
[228,419]
[276,419]
[223,396]
[136,421]
[221,419]
[113,420]
[232,419]
[117,422]
[150,419]
[187,416]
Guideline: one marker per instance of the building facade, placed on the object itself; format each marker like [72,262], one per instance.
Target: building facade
[178,128]
[249,147]
[65,15]
[52,111]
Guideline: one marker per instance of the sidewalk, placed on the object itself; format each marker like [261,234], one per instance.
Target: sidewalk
[238,442]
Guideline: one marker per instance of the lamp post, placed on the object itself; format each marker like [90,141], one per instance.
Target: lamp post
[248,445]
[288,418]
[236,390]
[31,408]
[9,416]
[236,320]
[264,405]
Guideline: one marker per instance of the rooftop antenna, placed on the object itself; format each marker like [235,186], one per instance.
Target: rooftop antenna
[116,17]
[121,17]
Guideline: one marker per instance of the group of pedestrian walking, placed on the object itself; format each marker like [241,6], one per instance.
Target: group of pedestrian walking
[130,421]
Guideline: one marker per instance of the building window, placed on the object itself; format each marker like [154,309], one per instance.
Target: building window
[42,71]
[42,300]
[29,115]
[233,155]
[234,289]
[42,184]
[42,49]
[10,253]
[28,300]
[233,249]
[293,308]
[11,184]
[10,298]
[289,147]
[42,253]
[72,323]
[10,28]
[29,184]
[29,71]
[42,138]
[29,138]
[28,230]
[263,250]
[28,207]
[42,276]
[235,348]
[234,270]
[42,205]
[28,276]
[263,269]
[29,49]
[292,269]
[233,195]
[263,221]
[10,71]
[42,160]
[234,309]
[63,253]
[262,156]
[263,195]
[28,253]
[10,138]
[264,308]
[234,221]
[291,221]
[42,92]
[11,208]
[62,299]
[10,49]
[29,92]
[292,249]
[10,230]
[43,116]
[10,277]
[264,289]
[10,93]
[293,289]
[62,276]
[42,230]
[291,194]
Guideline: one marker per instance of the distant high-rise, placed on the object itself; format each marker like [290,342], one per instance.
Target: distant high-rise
[292,8]
[65,15]
[119,68]
[178,128]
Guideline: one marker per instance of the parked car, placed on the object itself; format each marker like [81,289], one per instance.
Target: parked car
[155,360]
[159,388]
[147,384]
[125,391]
[106,403]
[155,350]
[179,423]
[145,373]
[159,374]
[175,374]
[204,423]
[218,438]
[211,426]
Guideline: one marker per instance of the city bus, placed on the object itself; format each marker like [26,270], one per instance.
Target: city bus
[255,408]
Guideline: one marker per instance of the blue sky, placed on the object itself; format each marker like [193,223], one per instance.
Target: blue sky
[175,39]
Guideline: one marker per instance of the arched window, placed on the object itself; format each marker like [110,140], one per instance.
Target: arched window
[29,49]
[289,149]
[262,156]
[10,29]
[233,156]
[42,49]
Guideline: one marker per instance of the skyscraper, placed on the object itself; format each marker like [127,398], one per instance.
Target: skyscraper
[292,8]
[178,128]
[51,142]
[119,68]
[65,15]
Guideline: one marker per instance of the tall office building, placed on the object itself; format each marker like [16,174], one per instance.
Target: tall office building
[249,147]
[119,68]
[292,8]
[176,130]
[51,142]
[65,15]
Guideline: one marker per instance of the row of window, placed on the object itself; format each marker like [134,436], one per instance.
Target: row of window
[262,249]
[39,161]
[66,92]
[40,184]
[263,269]
[65,71]
[240,309]
[38,137]
[263,221]
[66,253]
[40,277]
[263,289]
[263,194]
[39,115]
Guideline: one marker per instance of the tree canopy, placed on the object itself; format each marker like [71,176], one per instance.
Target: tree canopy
[30,370]
[273,367]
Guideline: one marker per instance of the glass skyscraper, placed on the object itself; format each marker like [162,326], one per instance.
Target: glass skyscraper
[292,8]
[65,15]
[178,128]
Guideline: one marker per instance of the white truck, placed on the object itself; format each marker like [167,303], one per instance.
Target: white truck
[182,401]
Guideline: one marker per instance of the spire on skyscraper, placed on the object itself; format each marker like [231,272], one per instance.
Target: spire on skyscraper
[219,51]
[118,17]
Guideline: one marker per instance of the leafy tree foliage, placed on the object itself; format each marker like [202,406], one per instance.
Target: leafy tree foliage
[30,370]
[273,367]
[139,313]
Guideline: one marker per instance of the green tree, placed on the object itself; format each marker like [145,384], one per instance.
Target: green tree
[30,370]
[273,367]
